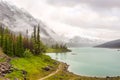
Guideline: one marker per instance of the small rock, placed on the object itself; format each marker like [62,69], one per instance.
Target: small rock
[47,68]
[24,72]
[16,79]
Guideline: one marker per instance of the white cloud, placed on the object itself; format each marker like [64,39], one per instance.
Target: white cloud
[93,3]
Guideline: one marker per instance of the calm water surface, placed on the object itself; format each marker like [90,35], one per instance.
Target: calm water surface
[91,61]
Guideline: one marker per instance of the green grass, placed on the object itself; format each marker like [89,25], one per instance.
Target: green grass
[33,66]
[15,74]
[2,59]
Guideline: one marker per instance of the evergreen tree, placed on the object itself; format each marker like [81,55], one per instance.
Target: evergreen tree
[38,45]
[27,40]
[15,45]
[19,46]
[38,34]
[34,35]
[5,45]
[2,36]
[10,46]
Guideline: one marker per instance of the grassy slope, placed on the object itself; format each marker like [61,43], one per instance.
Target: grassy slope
[33,66]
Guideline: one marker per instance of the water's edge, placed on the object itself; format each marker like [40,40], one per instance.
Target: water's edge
[63,57]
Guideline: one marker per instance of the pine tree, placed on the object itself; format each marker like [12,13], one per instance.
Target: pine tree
[38,45]
[10,46]
[15,45]
[38,40]
[27,40]
[2,37]
[38,34]
[19,44]
[34,35]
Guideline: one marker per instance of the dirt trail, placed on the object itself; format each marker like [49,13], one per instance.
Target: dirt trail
[59,68]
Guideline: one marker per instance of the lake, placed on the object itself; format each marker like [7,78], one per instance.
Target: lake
[98,62]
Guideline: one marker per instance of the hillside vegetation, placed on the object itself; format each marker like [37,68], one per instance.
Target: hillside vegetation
[33,66]
[27,58]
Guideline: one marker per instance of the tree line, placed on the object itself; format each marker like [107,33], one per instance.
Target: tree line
[59,46]
[18,45]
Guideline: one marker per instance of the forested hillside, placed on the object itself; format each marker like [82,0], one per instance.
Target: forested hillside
[18,45]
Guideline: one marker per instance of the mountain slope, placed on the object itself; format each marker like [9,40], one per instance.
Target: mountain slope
[111,44]
[78,41]
[19,20]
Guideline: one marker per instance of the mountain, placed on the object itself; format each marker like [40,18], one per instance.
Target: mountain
[19,20]
[78,41]
[111,44]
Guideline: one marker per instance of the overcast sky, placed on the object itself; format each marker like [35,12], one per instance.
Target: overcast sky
[86,18]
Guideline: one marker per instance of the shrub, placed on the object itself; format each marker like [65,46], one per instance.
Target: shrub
[27,53]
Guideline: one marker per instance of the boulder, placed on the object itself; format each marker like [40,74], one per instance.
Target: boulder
[47,68]
[24,72]
[4,68]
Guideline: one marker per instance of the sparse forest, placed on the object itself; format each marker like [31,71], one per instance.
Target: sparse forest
[17,45]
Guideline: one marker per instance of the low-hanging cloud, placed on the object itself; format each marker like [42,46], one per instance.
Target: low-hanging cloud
[95,3]
[96,18]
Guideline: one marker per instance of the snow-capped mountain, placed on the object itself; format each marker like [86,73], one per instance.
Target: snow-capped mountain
[19,20]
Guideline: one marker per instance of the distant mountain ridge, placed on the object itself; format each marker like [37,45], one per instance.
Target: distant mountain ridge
[78,41]
[111,44]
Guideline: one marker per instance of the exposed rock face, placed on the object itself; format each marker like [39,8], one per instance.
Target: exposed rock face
[5,68]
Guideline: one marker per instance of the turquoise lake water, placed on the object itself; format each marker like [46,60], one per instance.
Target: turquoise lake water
[98,62]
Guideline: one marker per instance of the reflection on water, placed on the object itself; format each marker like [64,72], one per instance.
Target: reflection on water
[58,56]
